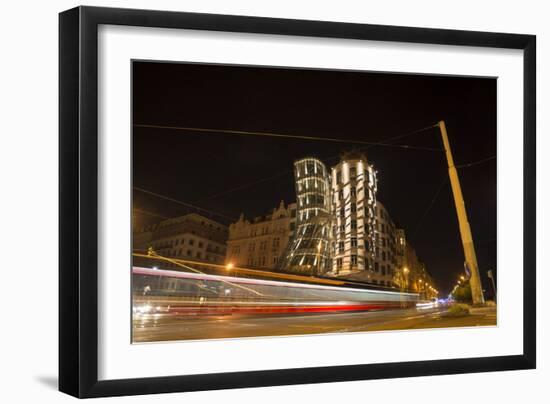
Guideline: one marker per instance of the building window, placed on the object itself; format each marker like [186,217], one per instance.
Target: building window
[342,212]
[340,246]
[354,224]
[376,267]
[200,244]
[353,207]
[191,241]
[354,241]
[354,260]
[353,172]
[339,263]
[341,194]
[199,255]
[353,192]
[338,177]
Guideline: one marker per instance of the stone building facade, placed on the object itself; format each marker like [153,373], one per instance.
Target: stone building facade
[191,237]
[260,242]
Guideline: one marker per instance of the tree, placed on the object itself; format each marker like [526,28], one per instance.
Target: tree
[463,293]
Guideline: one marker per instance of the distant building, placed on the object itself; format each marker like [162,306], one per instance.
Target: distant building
[190,237]
[410,272]
[260,242]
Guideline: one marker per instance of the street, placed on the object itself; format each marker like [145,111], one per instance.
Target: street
[169,327]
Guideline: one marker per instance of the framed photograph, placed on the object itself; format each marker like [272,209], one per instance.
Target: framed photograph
[251,201]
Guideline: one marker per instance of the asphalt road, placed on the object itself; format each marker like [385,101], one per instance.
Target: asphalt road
[164,327]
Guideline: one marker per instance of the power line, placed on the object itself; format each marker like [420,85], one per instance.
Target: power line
[188,205]
[243,186]
[475,163]
[280,135]
[287,172]
[421,221]
[407,134]
[146,212]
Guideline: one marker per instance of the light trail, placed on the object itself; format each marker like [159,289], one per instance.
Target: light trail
[263,282]
[199,272]
[248,271]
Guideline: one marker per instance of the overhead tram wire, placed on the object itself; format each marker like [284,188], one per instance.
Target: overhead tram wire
[188,205]
[280,135]
[430,206]
[445,179]
[146,212]
[288,172]
[248,184]
[475,163]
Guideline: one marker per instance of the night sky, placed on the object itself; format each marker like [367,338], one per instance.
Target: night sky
[199,168]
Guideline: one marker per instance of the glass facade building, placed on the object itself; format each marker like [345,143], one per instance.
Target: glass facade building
[310,249]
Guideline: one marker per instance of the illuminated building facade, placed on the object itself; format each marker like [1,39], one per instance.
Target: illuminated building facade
[309,251]
[354,185]
[260,242]
[385,256]
[337,227]
[410,273]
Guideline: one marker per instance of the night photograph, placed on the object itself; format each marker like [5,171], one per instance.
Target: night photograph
[271,201]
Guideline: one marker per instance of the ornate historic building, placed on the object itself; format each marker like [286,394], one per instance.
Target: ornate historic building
[260,242]
[190,237]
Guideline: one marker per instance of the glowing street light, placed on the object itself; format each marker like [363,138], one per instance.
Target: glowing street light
[229,266]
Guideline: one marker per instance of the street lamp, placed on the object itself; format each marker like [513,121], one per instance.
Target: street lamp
[229,266]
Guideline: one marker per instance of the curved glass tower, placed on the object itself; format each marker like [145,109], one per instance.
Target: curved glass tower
[310,250]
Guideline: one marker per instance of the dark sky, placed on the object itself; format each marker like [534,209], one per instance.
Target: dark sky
[194,167]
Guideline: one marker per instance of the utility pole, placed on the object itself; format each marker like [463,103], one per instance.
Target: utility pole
[465,231]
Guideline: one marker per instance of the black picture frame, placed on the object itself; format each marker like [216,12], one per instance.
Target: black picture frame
[78,196]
